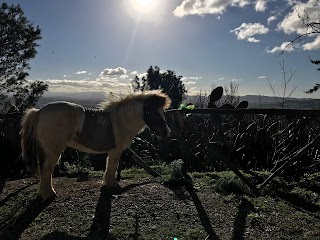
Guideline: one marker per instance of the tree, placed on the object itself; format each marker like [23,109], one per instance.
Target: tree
[168,82]
[282,97]
[17,46]
[232,93]
[317,85]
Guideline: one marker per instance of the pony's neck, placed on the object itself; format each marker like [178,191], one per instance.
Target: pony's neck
[130,118]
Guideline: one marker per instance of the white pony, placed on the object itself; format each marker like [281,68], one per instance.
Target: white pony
[46,132]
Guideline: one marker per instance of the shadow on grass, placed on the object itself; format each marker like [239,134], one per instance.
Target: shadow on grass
[240,221]
[15,227]
[204,218]
[101,222]
[299,200]
[15,193]
[100,226]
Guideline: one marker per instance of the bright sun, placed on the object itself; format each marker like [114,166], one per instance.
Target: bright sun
[143,3]
[143,6]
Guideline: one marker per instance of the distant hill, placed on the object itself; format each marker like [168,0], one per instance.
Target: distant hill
[91,99]
[87,99]
[256,101]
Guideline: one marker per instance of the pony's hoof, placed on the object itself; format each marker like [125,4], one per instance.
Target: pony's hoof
[112,185]
[48,196]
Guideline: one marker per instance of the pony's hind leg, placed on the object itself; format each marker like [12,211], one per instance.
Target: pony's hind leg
[46,189]
[109,177]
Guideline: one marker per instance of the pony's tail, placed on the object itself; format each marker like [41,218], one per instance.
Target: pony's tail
[29,143]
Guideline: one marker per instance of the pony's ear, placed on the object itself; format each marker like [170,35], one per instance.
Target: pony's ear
[158,101]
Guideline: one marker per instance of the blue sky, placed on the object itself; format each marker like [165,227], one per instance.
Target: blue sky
[101,45]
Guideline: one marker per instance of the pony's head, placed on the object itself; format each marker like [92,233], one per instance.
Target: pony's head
[153,113]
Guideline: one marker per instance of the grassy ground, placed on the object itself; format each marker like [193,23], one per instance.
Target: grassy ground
[200,206]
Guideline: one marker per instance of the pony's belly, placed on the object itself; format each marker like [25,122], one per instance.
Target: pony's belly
[75,145]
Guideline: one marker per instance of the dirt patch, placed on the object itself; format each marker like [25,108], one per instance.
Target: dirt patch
[146,209]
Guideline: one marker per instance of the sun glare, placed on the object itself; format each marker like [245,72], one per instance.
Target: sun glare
[143,6]
[143,3]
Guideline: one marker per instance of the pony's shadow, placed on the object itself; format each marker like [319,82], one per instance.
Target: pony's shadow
[15,227]
[100,226]
[101,223]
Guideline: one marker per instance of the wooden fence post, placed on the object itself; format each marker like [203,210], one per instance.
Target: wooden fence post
[142,164]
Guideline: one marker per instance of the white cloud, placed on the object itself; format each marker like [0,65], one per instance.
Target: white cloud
[110,80]
[80,72]
[261,5]
[315,45]
[184,79]
[203,7]
[134,73]
[113,74]
[252,39]
[85,85]
[193,91]
[292,23]
[271,19]
[189,83]
[286,46]
[195,78]
[247,30]
[262,77]
[119,71]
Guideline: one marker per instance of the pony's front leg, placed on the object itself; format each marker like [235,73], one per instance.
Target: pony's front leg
[46,190]
[109,177]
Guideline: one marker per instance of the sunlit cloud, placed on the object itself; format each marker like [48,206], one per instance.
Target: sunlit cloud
[247,30]
[113,74]
[189,83]
[110,80]
[262,77]
[220,79]
[80,72]
[286,46]
[292,22]
[187,79]
[85,85]
[271,19]
[261,5]
[204,7]
[315,45]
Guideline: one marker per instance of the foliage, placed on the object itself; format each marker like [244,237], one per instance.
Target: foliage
[168,81]
[18,45]
[317,85]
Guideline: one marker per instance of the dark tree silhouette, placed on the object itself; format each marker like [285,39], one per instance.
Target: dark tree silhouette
[17,46]
[317,85]
[168,82]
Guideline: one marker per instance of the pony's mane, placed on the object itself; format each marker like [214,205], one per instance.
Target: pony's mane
[134,98]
